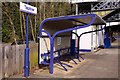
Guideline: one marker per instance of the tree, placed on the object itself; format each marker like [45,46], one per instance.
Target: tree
[10,19]
[14,21]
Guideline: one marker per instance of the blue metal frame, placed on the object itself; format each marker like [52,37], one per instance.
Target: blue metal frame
[26,55]
[62,31]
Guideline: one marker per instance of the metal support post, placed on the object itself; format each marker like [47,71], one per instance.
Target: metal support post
[26,55]
[51,55]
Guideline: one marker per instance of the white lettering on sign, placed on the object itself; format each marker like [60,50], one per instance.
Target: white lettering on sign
[28,8]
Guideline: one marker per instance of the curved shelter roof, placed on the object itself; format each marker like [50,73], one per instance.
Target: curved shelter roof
[68,23]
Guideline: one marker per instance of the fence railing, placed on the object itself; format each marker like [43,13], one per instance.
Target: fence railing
[13,59]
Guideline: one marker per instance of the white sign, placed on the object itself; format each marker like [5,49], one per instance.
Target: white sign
[28,8]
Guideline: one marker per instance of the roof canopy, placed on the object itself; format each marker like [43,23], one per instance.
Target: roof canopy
[69,23]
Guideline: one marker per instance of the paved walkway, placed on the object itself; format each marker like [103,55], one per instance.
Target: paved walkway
[101,64]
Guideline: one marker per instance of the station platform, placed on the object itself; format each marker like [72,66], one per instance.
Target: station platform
[100,64]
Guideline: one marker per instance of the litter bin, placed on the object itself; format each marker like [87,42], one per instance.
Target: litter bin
[107,42]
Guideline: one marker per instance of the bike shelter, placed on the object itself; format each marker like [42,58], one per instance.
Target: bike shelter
[62,27]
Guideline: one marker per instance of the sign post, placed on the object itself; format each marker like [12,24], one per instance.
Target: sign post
[32,10]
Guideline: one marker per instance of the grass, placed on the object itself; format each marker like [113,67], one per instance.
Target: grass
[33,59]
